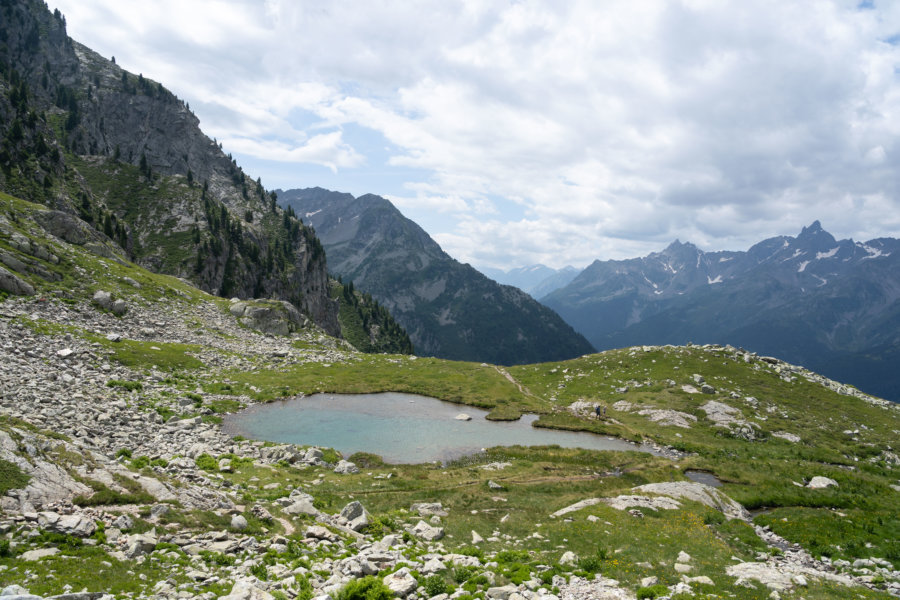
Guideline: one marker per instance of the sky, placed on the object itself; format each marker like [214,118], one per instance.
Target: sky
[519,132]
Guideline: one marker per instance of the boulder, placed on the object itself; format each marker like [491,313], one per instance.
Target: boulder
[12,284]
[426,532]
[356,515]
[119,307]
[245,589]
[401,582]
[463,417]
[426,509]
[818,482]
[103,299]
[275,317]
[345,467]
[318,532]
[75,525]
[239,523]
[568,558]
[140,544]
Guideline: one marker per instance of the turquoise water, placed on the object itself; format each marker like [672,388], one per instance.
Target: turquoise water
[401,428]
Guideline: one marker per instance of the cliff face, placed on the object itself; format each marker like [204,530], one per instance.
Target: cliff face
[121,152]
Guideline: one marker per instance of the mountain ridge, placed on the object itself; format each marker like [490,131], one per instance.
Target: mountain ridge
[449,309]
[810,299]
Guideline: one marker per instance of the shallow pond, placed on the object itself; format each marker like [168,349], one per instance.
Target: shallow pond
[703,477]
[401,428]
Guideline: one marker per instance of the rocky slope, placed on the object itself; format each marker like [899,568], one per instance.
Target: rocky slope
[831,305]
[120,152]
[449,309]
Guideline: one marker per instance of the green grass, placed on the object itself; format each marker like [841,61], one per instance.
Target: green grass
[844,534]
[11,477]
[460,382]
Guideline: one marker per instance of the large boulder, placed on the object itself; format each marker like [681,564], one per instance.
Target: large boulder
[245,589]
[345,467]
[356,516]
[426,532]
[276,317]
[12,284]
[401,582]
[75,525]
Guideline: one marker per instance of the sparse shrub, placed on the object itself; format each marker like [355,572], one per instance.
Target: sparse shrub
[260,572]
[461,574]
[126,452]
[435,585]
[126,385]
[652,591]
[140,462]
[367,588]
[206,462]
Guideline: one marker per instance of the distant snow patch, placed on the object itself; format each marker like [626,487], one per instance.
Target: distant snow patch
[312,214]
[872,252]
[725,259]
[828,254]
[803,266]
[824,281]
[711,281]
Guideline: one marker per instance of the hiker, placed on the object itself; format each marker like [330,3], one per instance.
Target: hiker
[597,410]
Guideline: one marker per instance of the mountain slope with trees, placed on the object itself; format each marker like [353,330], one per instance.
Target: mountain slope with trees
[117,151]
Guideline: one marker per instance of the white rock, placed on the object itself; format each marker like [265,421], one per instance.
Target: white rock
[818,482]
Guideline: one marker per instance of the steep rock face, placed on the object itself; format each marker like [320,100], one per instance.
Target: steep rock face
[121,152]
[831,305]
[449,309]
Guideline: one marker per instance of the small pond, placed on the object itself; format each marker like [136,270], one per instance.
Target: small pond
[401,428]
[703,477]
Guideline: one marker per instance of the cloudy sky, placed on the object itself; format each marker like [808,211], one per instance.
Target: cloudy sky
[518,132]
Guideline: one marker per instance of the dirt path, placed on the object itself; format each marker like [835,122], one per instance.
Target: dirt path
[512,380]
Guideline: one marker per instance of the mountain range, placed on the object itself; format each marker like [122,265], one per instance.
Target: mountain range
[833,306]
[449,309]
[535,280]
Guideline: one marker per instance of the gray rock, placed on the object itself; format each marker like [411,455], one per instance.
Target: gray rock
[119,307]
[239,523]
[401,582]
[160,510]
[76,525]
[818,482]
[12,284]
[426,532]
[320,533]
[140,544]
[246,589]
[123,522]
[426,509]
[38,554]
[103,299]
[502,592]
[276,317]
[345,467]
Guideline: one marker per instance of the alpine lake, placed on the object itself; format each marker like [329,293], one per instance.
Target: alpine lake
[401,428]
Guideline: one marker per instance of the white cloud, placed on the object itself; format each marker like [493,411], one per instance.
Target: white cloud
[615,126]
